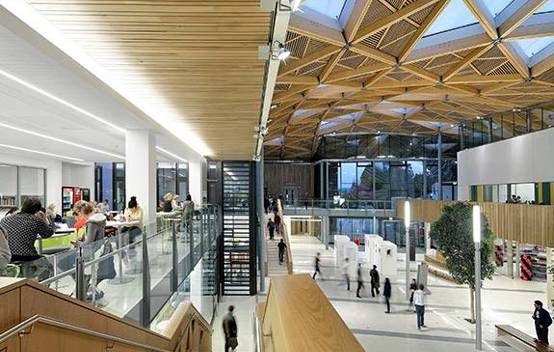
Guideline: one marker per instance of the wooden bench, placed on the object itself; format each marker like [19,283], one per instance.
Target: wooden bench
[508,330]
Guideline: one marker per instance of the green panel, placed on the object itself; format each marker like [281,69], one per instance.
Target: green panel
[473,194]
[546,193]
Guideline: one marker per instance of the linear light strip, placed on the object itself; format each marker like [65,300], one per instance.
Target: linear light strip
[171,154]
[61,140]
[59,100]
[39,152]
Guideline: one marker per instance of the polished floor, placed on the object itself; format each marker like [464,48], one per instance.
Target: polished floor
[505,301]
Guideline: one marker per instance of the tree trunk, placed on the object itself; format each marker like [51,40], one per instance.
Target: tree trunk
[472,304]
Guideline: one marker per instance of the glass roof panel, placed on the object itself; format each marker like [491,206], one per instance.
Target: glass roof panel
[547,7]
[329,8]
[532,46]
[456,14]
[496,6]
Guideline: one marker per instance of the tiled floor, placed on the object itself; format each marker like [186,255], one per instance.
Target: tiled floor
[505,301]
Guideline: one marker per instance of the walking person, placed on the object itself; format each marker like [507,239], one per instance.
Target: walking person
[413,288]
[230,330]
[346,274]
[282,246]
[387,291]
[317,263]
[271,228]
[277,220]
[375,281]
[542,322]
[419,302]
[360,281]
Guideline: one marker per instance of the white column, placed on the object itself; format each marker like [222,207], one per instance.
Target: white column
[549,278]
[140,171]
[427,231]
[197,180]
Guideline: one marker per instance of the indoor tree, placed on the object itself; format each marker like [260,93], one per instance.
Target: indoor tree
[453,235]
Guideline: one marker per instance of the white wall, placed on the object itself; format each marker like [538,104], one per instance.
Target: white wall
[523,159]
[53,173]
[198,170]
[77,175]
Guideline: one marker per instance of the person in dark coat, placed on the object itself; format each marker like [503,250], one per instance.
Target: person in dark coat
[317,266]
[230,330]
[271,228]
[375,283]
[277,220]
[387,291]
[542,322]
[282,246]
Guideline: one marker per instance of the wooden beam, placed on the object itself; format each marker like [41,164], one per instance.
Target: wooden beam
[515,58]
[480,11]
[373,79]
[280,96]
[374,54]
[468,79]
[393,18]
[306,80]
[515,14]
[475,53]
[421,72]
[422,29]
[500,85]
[364,70]
[536,26]
[302,25]
[542,61]
[305,61]
[359,10]
[333,61]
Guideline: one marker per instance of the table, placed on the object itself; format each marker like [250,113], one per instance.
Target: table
[120,280]
[60,240]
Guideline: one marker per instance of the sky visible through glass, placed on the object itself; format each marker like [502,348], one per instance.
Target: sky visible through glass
[329,8]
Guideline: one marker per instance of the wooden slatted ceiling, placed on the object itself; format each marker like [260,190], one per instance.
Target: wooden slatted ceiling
[395,84]
[193,59]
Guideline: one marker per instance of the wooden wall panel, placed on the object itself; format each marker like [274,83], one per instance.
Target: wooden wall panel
[277,176]
[523,223]
[9,309]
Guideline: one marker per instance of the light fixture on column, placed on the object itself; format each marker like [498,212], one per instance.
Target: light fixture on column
[477,240]
[280,52]
[407,220]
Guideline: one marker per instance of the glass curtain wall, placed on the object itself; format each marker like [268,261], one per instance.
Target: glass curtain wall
[383,180]
[173,178]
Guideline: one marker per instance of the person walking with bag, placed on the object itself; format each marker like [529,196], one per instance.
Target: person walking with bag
[542,322]
[230,330]
[387,291]
[375,281]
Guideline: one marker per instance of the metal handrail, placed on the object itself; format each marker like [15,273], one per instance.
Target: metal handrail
[257,330]
[41,319]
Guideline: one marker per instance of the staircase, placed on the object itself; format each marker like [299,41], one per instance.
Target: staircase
[273,266]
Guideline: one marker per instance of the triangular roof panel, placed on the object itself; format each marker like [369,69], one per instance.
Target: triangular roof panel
[455,15]
[533,46]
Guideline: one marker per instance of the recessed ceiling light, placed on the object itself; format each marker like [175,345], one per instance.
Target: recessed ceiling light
[59,100]
[73,144]
[39,152]
[171,154]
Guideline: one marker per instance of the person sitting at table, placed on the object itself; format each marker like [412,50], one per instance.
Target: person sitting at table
[12,211]
[78,213]
[22,230]
[105,207]
[51,212]
[176,202]
[167,205]
[133,213]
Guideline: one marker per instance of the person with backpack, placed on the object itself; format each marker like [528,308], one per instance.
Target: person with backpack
[542,322]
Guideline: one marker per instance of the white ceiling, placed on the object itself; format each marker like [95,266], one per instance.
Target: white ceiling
[46,68]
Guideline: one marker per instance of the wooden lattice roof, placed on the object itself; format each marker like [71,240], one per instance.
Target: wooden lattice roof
[378,72]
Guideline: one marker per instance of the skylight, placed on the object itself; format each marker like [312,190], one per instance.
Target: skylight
[496,6]
[456,14]
[547,7]
[532,46]
[329,8]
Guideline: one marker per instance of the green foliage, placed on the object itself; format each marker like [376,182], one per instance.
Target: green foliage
[453,234]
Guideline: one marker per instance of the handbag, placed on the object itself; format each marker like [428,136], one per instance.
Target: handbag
[106,267]
[233,342]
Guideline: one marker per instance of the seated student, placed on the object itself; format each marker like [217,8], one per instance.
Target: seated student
[133,213]
[77,212]
[166,205]
[22,230]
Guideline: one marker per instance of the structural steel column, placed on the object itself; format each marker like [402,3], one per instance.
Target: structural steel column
[439,164]
[261,222]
